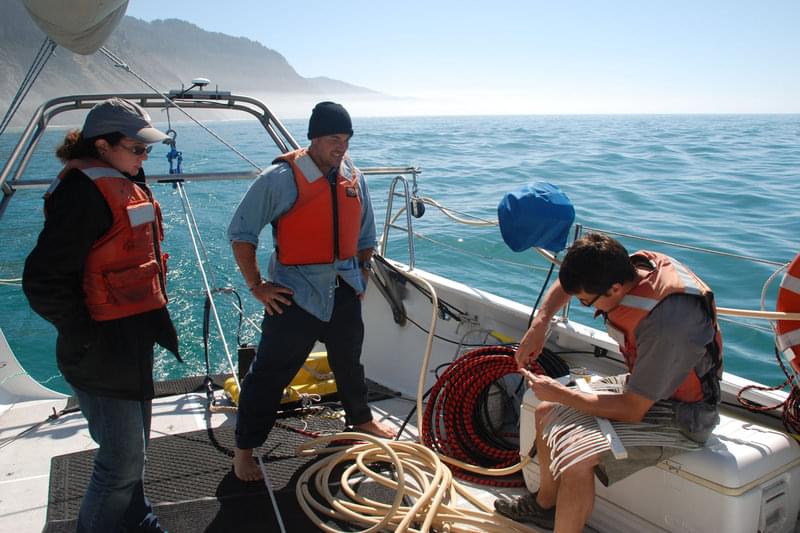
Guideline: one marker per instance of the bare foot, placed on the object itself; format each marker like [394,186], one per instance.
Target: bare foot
[245,466]
[376,429]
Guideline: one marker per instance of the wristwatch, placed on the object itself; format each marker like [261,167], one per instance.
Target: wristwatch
[365,265]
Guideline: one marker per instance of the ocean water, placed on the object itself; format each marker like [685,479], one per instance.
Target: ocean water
[719,182]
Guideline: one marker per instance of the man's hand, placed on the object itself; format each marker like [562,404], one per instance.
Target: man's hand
[531,345]
[546,388]
[272,296]
[533,341]
[364,258]
[625,407]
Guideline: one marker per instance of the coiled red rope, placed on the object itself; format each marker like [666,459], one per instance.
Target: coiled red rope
[452,424]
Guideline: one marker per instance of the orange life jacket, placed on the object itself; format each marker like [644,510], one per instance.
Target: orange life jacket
[325,221]
[125,271]
[666,276]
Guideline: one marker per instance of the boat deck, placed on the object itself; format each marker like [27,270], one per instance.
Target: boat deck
[189,477]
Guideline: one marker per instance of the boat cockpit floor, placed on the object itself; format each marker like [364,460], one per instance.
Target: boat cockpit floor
[191,484]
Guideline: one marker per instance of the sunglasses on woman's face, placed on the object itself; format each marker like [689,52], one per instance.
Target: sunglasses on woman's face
[138,149]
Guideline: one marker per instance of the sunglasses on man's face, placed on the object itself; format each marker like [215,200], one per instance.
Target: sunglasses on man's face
[589,303]
[138,149]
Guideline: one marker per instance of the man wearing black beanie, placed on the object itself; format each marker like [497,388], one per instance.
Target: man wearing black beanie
[329,118]
[323,228]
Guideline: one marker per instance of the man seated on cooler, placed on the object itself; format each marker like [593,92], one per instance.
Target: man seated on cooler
[664,318]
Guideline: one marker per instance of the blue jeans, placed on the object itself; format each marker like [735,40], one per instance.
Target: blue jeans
[114,499]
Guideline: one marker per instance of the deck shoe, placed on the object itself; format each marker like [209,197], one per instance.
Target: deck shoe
[527,509]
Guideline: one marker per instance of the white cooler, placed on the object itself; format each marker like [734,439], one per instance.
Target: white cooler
[746,479]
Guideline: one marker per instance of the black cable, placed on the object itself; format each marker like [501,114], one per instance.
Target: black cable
[576,352]
[790,413]
[483,423]
[541,293]
[553,365]
[457,343]
[445,308]
[598,355]
[207,319]
[410,415]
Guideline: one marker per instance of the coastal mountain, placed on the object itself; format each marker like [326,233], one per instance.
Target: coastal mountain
[167,53]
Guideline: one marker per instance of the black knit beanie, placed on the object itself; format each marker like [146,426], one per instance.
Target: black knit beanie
[329,118]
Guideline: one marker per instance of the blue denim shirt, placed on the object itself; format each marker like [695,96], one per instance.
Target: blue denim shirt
[271,195]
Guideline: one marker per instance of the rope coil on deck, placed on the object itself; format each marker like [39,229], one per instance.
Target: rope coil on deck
[449,424]
[431,497]
[458,423]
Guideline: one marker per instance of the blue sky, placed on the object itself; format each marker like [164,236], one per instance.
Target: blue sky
[481,57]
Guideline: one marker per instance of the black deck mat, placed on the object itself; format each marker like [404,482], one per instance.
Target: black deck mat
[191,485]
[377,392]
[187,385]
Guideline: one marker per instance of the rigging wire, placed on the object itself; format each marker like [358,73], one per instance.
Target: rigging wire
[267,483]
[193,230]
[474,254]
[687,246]
[46,51]
[206,318]
[749,325]
[192,221]
[118,62]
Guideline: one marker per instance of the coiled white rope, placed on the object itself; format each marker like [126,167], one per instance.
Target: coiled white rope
[433,492]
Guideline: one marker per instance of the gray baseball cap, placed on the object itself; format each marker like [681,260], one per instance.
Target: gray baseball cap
[122,116]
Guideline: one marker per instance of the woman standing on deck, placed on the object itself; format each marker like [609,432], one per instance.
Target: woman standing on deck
[98,274]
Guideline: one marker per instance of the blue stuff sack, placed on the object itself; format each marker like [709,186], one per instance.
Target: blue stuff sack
[537,215]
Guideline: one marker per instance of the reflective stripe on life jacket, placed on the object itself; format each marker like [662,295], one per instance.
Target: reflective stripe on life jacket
[322,225]
[665,277]
[125,271]
[788,331]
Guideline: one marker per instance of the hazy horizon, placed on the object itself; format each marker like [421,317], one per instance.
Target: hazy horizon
[531,57]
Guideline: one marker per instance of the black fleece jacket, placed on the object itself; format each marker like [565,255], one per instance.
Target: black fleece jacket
[111,358]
